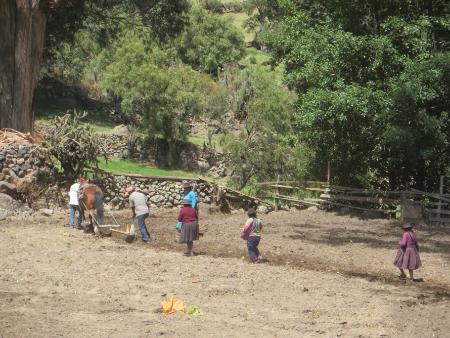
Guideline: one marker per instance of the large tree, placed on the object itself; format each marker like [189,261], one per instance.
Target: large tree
[23,33]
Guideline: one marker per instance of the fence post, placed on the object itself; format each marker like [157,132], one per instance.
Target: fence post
[441,192]
[328,174]
[277,206]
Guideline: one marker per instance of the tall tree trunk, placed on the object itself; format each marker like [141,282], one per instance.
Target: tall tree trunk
[22,32]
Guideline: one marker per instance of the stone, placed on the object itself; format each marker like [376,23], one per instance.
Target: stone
[6,202]
[20,161]
[157,199]
[6,187]
[313,208]
[3,215]
[46,212]
[203,166]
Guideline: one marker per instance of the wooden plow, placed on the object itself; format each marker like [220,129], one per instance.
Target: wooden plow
[128,231]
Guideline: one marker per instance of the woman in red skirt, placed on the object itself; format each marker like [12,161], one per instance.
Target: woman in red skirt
[408,253]
[190,230]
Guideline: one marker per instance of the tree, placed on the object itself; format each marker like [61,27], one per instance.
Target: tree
[209,42]
[372,94]
[265,146]
[22,35]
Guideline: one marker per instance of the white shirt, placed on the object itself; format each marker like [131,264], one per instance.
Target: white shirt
[73,194]
[138,201]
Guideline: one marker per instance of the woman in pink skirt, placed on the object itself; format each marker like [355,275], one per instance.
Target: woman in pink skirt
[408,253]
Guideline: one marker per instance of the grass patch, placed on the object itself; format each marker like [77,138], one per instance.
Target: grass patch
[131,167]
[257,55]
[99,120]
[200,140]
[238,20]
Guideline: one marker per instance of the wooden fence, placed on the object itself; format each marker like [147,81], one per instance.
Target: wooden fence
[414,205]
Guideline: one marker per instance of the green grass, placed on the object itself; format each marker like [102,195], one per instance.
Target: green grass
[130,167]
[99,120]
[200,140]
[238,20]
[258,55]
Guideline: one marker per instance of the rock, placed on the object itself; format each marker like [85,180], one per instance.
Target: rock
[203,166]
[121,129]
[157,199]
[8,188]
[264,209]
[313,208]
[46,212]
[6,202]
[20,161]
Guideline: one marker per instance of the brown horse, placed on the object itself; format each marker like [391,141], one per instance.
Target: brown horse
[91,199]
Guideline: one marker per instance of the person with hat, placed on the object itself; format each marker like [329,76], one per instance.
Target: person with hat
[408,252]
[74,204]
[189,194]
[139,207]
[251,232]
[190,229]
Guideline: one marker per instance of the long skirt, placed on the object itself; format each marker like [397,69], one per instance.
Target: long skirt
[189,232]
[408,258]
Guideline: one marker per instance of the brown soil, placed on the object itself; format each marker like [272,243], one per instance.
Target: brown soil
[326,276]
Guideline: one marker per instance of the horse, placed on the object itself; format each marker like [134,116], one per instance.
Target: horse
[91,199]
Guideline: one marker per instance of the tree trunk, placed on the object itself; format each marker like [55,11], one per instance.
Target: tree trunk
[22,32]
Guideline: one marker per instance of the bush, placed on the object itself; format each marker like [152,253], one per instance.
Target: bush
[214,6]
[72,146]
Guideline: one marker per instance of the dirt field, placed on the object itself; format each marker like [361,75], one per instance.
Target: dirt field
[327,276]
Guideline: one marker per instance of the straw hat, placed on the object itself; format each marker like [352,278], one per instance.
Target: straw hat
[407,226]
[187,184]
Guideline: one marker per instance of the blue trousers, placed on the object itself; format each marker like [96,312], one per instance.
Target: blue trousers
[252,246]
[144,232]
[72,210]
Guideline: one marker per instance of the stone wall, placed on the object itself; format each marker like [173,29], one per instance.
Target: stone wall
[192,157]
[162,192]
[20,160]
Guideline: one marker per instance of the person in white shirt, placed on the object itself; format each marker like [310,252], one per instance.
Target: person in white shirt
[139,207]
[74,206]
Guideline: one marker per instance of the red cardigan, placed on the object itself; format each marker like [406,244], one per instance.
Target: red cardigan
[187,214]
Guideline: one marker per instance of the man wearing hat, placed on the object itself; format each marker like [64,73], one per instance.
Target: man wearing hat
[139,207]
[74,205]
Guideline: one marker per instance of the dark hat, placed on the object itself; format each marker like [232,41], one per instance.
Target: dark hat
[407,226]
[186,201]
[187,184]
[251,211]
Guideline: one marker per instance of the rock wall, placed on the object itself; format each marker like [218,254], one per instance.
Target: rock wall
[191,157]
[20,160]
[162,192]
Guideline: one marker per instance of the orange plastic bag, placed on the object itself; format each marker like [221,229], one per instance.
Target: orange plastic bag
[172,305]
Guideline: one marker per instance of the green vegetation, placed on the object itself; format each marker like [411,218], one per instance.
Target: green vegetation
[373,88]
[130,167]
[239,21]
[72,146]
[99,121]
[362,87]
